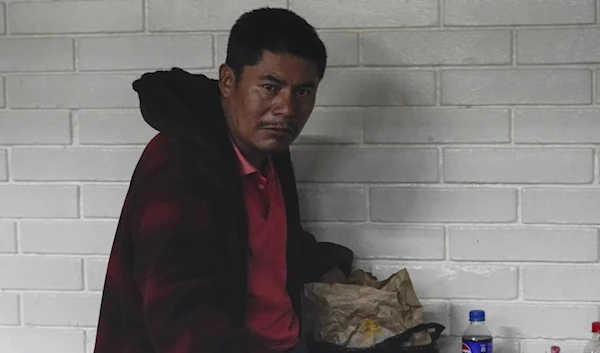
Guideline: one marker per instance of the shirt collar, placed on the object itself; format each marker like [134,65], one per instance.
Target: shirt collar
[246,167]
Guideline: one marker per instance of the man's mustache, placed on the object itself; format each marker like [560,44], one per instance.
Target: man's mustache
[278,125]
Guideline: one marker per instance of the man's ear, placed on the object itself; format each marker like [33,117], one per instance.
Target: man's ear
[226,80]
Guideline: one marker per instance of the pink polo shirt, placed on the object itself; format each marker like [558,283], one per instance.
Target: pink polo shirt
[269,315]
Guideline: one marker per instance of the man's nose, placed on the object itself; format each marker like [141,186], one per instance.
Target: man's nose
[285,104]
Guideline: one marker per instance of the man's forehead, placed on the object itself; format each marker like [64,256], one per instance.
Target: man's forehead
[286,68]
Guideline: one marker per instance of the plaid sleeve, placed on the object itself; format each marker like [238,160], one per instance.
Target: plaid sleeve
[177,267]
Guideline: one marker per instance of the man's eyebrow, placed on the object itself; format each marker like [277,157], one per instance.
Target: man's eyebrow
[273,78]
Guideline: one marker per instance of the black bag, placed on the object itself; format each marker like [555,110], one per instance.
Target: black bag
[396,344]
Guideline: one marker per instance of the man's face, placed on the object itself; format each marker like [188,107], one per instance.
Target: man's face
[267,107]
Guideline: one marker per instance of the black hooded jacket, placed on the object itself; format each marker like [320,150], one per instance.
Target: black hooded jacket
[176,279]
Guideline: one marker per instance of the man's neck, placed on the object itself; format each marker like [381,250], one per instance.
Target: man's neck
[255,159]
[257,162]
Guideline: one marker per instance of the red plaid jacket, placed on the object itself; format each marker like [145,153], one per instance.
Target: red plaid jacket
[176,278]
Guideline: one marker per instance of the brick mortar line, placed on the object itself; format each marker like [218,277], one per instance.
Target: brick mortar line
[145,15]
[440,166]
[70,183]
[520,284]
[84,280]
[514,43]
[304,185]
[367,189]
[471,263]
[356,69]
[307,185]
[593,90]
[8,163]
[80,213]
[512,132]
[438,87]
[19,244]
[75,147]
[446,243]
[360,49]
[519,205]
[597,165]
[472,107]
[215,51]
[436,28]
[74,126]
[21,311]
[372,260]
[441,13]
[50,327]
[332,146]
[445,145]
[4,86]
[451,226]
[5,18]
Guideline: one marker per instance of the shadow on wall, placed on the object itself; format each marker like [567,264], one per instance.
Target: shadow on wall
[332,149]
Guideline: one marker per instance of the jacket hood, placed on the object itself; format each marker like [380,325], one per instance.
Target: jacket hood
[182,104]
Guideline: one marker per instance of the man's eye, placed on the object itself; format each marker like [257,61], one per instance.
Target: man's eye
[303,92]
[269,87]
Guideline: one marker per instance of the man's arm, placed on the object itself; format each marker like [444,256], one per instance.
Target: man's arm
[178,267]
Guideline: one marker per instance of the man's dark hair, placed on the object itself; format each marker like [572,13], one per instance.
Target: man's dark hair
[278,31]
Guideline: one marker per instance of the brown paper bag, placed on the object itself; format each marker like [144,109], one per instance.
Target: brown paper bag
[364,312]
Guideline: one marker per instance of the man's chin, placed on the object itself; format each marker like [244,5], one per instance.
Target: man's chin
[275,148]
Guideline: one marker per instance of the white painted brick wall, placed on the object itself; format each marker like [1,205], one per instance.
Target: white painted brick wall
[375,165]
[545,166]
[35,127]
[520,12]
[61,309]
[558,46]
[95,272]
[518,86]
[8,237]
[190,15]
[9,309]
[145,52]
[370,87]
[67,237]
[33,54]
[560,126]
[433,125]
[437,48]
[41,339]
[443,205]
[71,91]
[561,283]
[121,127]
[333,203]
[387,13]
[456,138]
[69,164]
[102,201]
[75,17]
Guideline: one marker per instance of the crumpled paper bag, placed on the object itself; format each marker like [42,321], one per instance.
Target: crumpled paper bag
[364,312]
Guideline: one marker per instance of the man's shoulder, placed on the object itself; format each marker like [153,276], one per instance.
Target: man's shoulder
[170,152]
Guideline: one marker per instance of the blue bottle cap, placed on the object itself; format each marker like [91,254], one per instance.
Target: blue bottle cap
[477,315]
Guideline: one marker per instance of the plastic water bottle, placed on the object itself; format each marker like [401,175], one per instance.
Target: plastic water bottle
[477,338]
[593,345]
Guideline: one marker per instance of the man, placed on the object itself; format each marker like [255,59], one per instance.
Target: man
[209,254]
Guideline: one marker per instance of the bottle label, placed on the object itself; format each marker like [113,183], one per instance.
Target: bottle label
[476,347]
